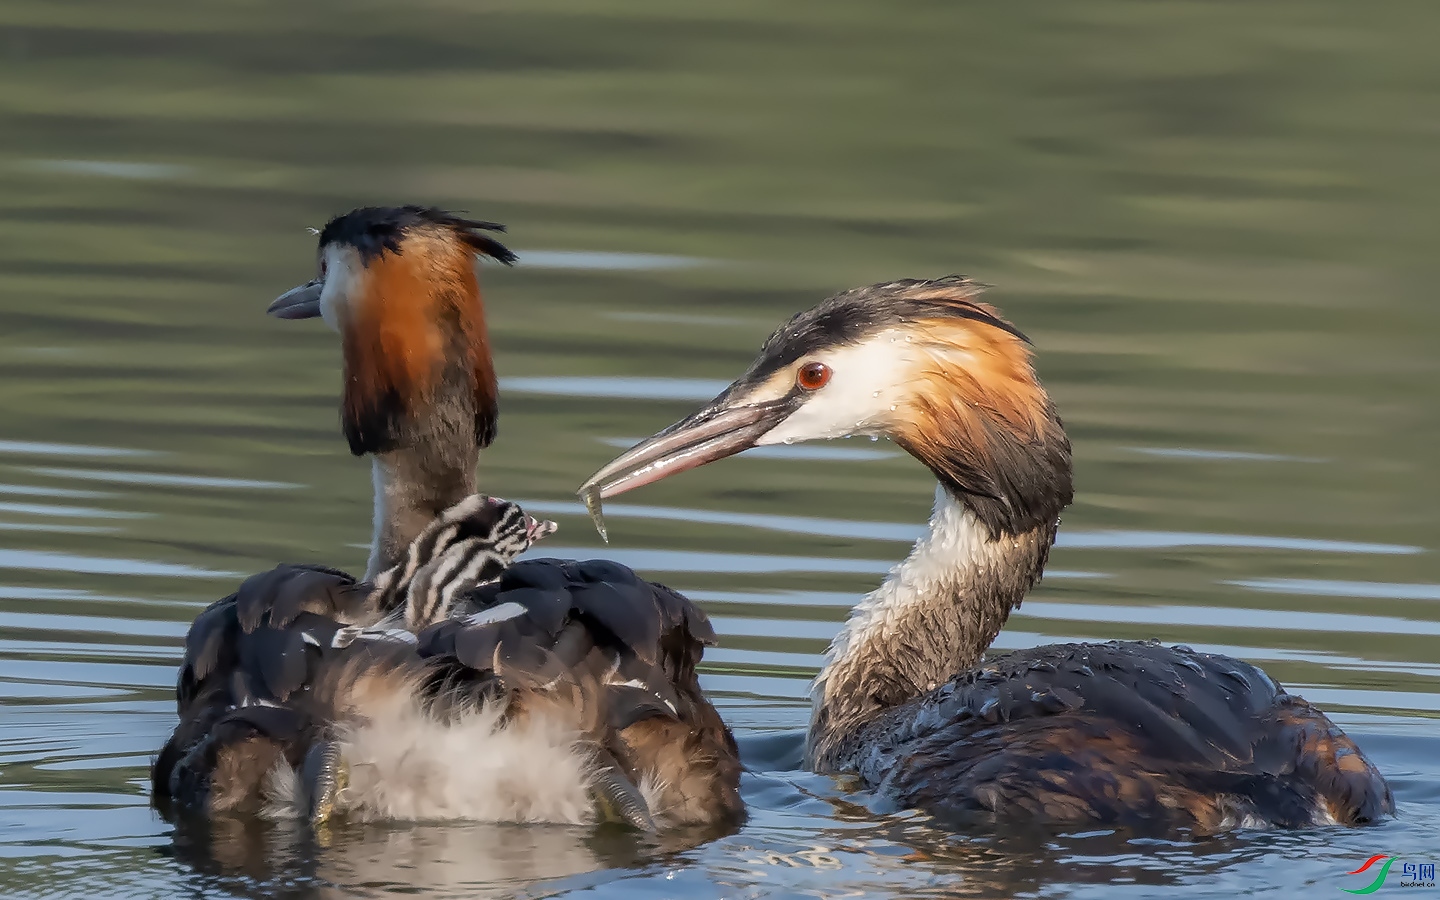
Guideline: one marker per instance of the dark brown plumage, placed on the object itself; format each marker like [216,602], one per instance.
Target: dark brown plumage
[639,643]
[613,654]
[1125,733]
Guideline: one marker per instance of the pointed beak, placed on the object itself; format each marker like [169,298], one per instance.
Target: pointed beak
[302,302]
[723,428]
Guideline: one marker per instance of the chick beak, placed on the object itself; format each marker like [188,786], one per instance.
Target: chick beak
[721,429]
[302,302]
[538,529]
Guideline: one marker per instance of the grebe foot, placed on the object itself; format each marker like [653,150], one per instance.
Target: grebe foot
[618,799]
[324,777]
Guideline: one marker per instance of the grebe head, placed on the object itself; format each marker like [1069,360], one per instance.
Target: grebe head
[398,284]
[921,362]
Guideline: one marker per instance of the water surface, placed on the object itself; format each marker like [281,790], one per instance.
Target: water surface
[1216,221]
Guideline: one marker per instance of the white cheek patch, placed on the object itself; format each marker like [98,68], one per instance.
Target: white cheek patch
[868,383]
[344,273]
[775,388]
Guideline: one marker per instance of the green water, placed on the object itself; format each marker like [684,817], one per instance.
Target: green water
[1215,220]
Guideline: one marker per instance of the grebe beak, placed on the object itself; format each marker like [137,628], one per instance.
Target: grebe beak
[302,302]
[723,428]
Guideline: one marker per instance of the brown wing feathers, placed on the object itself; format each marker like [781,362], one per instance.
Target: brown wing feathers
[246,657]
[544,619]
[1121,732]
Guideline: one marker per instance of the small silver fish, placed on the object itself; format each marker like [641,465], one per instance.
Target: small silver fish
[591,496]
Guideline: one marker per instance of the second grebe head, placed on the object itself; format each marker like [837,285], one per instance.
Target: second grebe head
[921,362]
[399,285]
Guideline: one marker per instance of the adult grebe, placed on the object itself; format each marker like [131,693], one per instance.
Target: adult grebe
[455,685]
[1121,732]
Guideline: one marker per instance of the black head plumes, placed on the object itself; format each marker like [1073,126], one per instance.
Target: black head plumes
[376,230]
[851,316]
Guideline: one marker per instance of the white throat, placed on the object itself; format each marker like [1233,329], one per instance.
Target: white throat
[931,619]
[954,540]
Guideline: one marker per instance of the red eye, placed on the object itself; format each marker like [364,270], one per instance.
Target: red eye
[813,376]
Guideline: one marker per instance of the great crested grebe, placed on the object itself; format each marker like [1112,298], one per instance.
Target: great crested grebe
[452,684]
[1120,732]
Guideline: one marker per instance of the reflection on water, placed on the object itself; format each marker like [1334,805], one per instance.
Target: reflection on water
[1193,453]
[1324,588]
[1216,221]
[65,512]
[160,479]
[47,561]
[1165,540]
[37,448]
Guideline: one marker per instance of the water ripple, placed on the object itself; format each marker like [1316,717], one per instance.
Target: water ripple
[616,386]
[1225,617]
[159,479]
[1106,539]
[70,624]
[67,512]
[1318,587]
[30,490]
[1168,540]
[1221,455]
[37,448]
[648,560]
[110,168]
[597,260]
[16,592]
[51,561]
[53,528]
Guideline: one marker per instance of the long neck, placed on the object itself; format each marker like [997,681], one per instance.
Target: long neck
[931,619]
[432,470]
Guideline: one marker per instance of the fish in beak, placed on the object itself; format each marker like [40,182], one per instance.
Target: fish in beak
[724,427]
[302,302]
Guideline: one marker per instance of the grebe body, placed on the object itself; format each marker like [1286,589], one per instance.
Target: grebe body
[453,682]
[1122,732]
